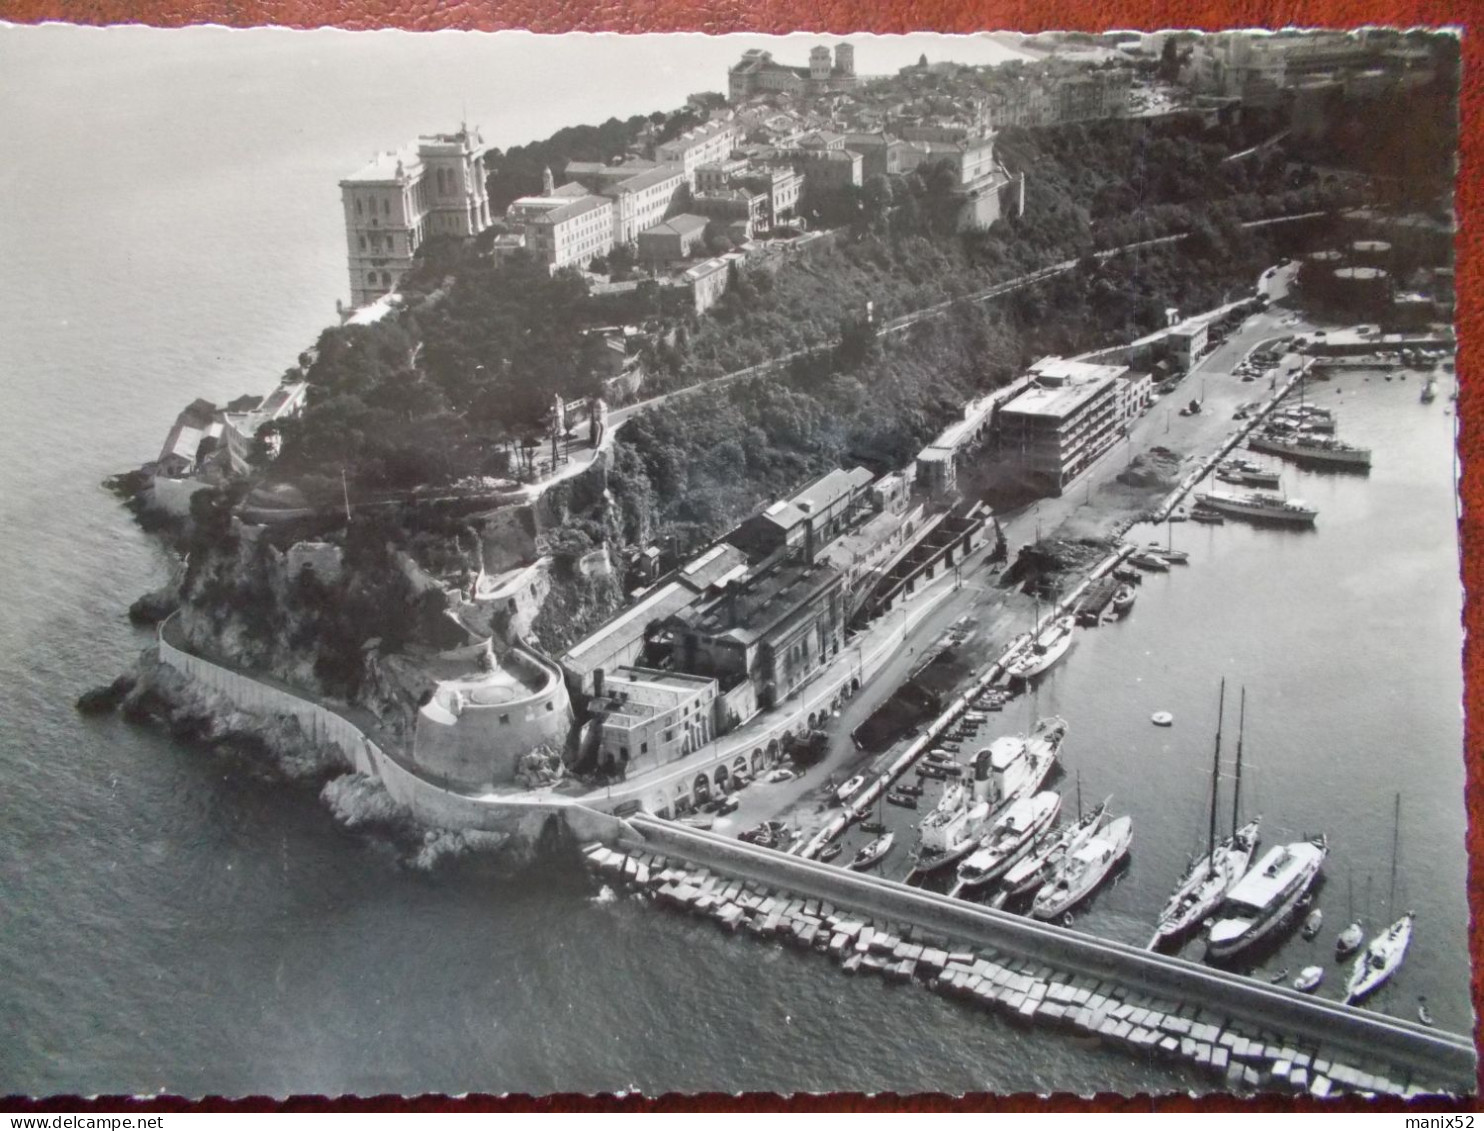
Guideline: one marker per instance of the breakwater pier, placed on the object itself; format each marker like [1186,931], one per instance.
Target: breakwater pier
[1246,1034]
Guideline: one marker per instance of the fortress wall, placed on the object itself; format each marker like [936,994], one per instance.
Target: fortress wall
[322,725]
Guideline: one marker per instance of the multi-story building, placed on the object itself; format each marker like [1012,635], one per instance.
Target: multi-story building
[1063,422]
[648,718]
[736,206]
[775,628]
[643,193]
[782,186]
[675,238]
[810,519]
[826,169]
[757,73]
[571,232]
[703,145]
[707,282]
[435,187]
[717,176]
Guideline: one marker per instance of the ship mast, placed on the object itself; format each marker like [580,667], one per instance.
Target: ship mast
[1237,792]
[1215,781]
[1396,832]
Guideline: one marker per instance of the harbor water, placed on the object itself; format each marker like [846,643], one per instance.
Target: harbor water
[179,919]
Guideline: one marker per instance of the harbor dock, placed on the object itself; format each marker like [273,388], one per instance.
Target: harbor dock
[1247,1035]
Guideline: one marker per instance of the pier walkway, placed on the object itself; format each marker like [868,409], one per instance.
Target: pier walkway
[1255,1033]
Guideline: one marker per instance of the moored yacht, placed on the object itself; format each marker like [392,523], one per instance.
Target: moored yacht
[1379,960]
[1083,870]
[1008,839]
[1017,765]
[1261,505]
[1304,447]
[1208,879]
[1049,646]
[1262,899]
[1033,870]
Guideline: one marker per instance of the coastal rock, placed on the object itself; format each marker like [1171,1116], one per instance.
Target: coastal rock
[359,801]
[155,605]
[163,697]
[102,700]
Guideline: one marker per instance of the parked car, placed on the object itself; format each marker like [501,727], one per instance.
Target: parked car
[780,775]
[728,804]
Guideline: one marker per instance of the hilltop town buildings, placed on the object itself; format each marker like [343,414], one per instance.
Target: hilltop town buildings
[757,73]
[435,187]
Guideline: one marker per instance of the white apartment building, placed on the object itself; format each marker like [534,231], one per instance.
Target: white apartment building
[1064,421]
[704,145]
[644,200]
[570,232]
[643,192]
[435,187]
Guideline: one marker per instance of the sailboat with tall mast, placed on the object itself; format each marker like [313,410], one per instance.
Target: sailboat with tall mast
[1381,958]
[1208,879]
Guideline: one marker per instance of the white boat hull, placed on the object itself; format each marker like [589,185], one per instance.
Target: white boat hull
[1229,937]
[1049,647]
[1379,961]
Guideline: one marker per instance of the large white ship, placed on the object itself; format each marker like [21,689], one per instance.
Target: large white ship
[951,830]
[1306,448]
[1010,838]
[1008,769]
[1263,898]
[1260,505]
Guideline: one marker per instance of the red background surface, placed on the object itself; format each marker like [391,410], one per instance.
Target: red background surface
[887,16]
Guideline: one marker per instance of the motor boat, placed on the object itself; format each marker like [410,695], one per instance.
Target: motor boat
[1308,979]
[1082,871]
[1262,900]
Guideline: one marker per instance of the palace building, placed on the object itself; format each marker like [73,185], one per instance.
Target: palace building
[435,187]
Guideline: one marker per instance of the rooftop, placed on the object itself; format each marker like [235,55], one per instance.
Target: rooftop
[716,563]
[571,209]
[749,614]
[1062,400]
[683,225]
[595,650]
[704,270]
[648,178]
[388,168]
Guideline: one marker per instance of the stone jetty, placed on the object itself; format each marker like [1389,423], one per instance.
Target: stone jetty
[1025,992]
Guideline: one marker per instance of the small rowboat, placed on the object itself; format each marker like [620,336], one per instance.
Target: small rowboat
[1309,978]
[1313,923]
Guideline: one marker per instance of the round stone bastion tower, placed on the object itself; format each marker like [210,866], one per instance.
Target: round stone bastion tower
[486,717]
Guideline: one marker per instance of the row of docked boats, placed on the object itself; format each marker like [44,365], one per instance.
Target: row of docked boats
[1000,829]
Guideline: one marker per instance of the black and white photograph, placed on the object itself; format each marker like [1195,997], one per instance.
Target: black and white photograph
[672,563]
